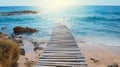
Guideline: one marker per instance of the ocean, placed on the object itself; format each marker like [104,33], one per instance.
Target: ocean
[92,24]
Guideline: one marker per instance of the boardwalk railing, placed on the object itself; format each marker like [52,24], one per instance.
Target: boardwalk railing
[61,50]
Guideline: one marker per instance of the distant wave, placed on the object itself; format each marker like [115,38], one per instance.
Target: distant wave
[4,19]
[95,18]
[18,13]
[115,13]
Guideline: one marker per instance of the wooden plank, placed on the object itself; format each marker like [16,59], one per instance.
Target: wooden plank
[64,60]
[63,65]
[63,41]
[38,65]
[62,47]
[70,63]
[62,50]
[56,54]
[66,38]
[63,44]
[62,57]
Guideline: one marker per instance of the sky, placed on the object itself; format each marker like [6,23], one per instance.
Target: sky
[57,2]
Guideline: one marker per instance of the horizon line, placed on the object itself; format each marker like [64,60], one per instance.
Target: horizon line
[65,6]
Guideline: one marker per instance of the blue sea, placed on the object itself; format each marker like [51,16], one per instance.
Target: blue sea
[92,24]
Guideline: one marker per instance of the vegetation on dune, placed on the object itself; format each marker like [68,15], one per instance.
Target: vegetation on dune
[9,52]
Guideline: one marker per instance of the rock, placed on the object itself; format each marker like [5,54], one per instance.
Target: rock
[94,60]
[113,65]
[1,33]
[6,36]
[38,48]
[43,42]
[18,41]
[13,36]
[31,30]
[19,36]
[27,59]
[3,28]
[22,51]
[18,12]
[21,44]
[19,29]
[36,44]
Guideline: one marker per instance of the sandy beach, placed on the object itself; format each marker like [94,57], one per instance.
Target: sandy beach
[106,55]
[31,57]
[103,55]
[97,55]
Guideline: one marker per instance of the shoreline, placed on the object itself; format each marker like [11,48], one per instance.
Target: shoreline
[31,57]
[105,55]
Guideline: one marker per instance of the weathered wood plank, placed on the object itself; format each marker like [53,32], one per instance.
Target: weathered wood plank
[61,51]
[61,54]
[63,65]
[61,57]
[70,63]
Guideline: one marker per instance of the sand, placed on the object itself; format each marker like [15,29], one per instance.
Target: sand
[29,59]
[105,55]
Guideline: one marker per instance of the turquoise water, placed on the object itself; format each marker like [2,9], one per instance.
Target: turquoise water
[93,24]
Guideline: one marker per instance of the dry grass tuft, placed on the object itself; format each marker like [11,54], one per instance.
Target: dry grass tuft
[9,52]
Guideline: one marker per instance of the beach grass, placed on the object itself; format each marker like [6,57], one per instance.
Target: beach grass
[9,52]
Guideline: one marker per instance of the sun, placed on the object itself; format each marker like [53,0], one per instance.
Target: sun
[56,4]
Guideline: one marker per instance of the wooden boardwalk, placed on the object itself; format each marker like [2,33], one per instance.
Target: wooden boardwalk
[61,50]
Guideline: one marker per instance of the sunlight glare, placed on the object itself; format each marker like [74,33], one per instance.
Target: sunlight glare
[56,4]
